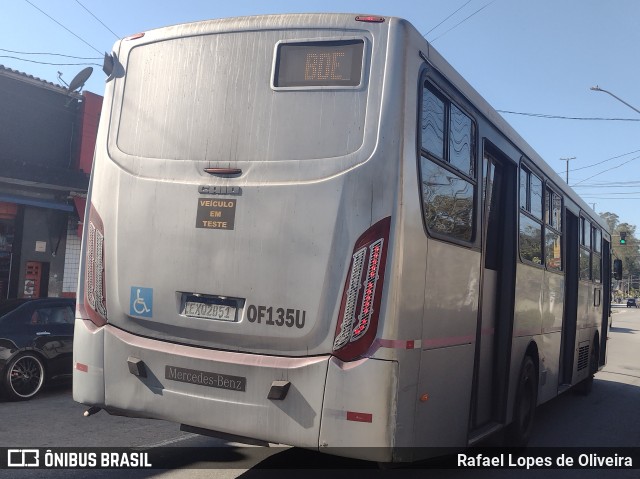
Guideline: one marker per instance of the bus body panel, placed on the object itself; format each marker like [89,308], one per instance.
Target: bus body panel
[549,377]
[277,262]
[585,305]
[450,265]
[519,346]
[588,324]
[449,337]
[88,363]
[360,408]
[550,347]
[440,392]
[356,405]
[553,302]
[216,390]
[528,312]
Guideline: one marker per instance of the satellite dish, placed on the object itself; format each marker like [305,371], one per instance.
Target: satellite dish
[80,79]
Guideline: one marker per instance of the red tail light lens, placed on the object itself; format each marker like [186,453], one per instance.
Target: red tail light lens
[95,296]
[369,19]
[358,318]
[135,37]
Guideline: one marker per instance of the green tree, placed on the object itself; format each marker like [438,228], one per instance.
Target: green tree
[612,220]
[629,253]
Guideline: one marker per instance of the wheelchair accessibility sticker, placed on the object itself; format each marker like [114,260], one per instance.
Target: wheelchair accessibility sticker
[141,302]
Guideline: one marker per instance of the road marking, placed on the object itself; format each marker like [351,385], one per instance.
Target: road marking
[187,436]
[172,441]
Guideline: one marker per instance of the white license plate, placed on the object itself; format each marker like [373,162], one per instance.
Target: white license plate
[220,312]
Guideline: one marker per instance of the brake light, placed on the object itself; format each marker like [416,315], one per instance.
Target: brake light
[135,37]
[94,278]
[369,19]
[360,307]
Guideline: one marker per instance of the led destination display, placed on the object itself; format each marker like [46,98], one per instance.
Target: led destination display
[331,63]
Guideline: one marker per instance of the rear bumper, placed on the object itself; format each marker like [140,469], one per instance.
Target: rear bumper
[329,404]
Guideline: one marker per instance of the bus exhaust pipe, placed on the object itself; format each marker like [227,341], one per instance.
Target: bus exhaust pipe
[91,411]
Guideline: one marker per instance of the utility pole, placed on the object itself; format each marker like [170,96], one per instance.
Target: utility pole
[567,160]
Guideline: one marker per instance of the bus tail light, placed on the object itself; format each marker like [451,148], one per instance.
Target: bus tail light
[95,296]
[360,307]
[369,19]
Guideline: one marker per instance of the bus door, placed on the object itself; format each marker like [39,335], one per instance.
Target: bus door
[569,321]
[493,336]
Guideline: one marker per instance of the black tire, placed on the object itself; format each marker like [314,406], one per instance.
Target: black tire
[524,409]
[24,377]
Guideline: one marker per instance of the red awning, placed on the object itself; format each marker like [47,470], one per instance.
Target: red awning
[80,203]
[8,211]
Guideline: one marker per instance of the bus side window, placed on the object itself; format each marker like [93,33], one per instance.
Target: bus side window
[585,249]
[530,217]
[447,166]
[553,230]
[596,255]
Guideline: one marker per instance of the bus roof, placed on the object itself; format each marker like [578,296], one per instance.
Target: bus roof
[373,23]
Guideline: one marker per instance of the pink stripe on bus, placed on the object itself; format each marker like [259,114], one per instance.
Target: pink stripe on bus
[426,343]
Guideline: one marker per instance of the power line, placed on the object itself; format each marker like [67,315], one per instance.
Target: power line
[608,186]
[48,63]
[606,171]
[101,23]
[51,54]
[613,193]
[617,198]
[464,20]
[599,163]
[612,184]
[60,24]
[604,161]
[451,15]
[559,117]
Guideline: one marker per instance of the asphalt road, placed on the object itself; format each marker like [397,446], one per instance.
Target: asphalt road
[609,416]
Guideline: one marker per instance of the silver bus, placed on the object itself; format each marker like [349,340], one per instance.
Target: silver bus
[311,230]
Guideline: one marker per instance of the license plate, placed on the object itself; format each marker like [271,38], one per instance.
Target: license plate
[203,309]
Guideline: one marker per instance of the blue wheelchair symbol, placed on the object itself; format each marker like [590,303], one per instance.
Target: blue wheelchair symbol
[141,302]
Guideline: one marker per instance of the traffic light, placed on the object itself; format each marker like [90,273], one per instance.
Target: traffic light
[623,237]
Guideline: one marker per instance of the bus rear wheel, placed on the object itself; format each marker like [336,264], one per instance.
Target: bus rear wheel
[520,430]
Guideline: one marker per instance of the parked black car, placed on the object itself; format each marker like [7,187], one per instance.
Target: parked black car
[36,344]
[632,303]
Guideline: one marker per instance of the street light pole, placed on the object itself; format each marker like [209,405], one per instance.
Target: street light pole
[597,88]
[567,160]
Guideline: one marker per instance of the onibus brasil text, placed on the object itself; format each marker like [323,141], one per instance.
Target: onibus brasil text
[93,459]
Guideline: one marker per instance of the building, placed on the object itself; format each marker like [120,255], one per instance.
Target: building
[47,138]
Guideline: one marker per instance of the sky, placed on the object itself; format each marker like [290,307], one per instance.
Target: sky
[529,57]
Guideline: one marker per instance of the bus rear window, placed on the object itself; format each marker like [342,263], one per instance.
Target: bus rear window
[211,97]
[319,64]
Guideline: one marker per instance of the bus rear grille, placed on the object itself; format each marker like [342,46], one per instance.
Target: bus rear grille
[583,357]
